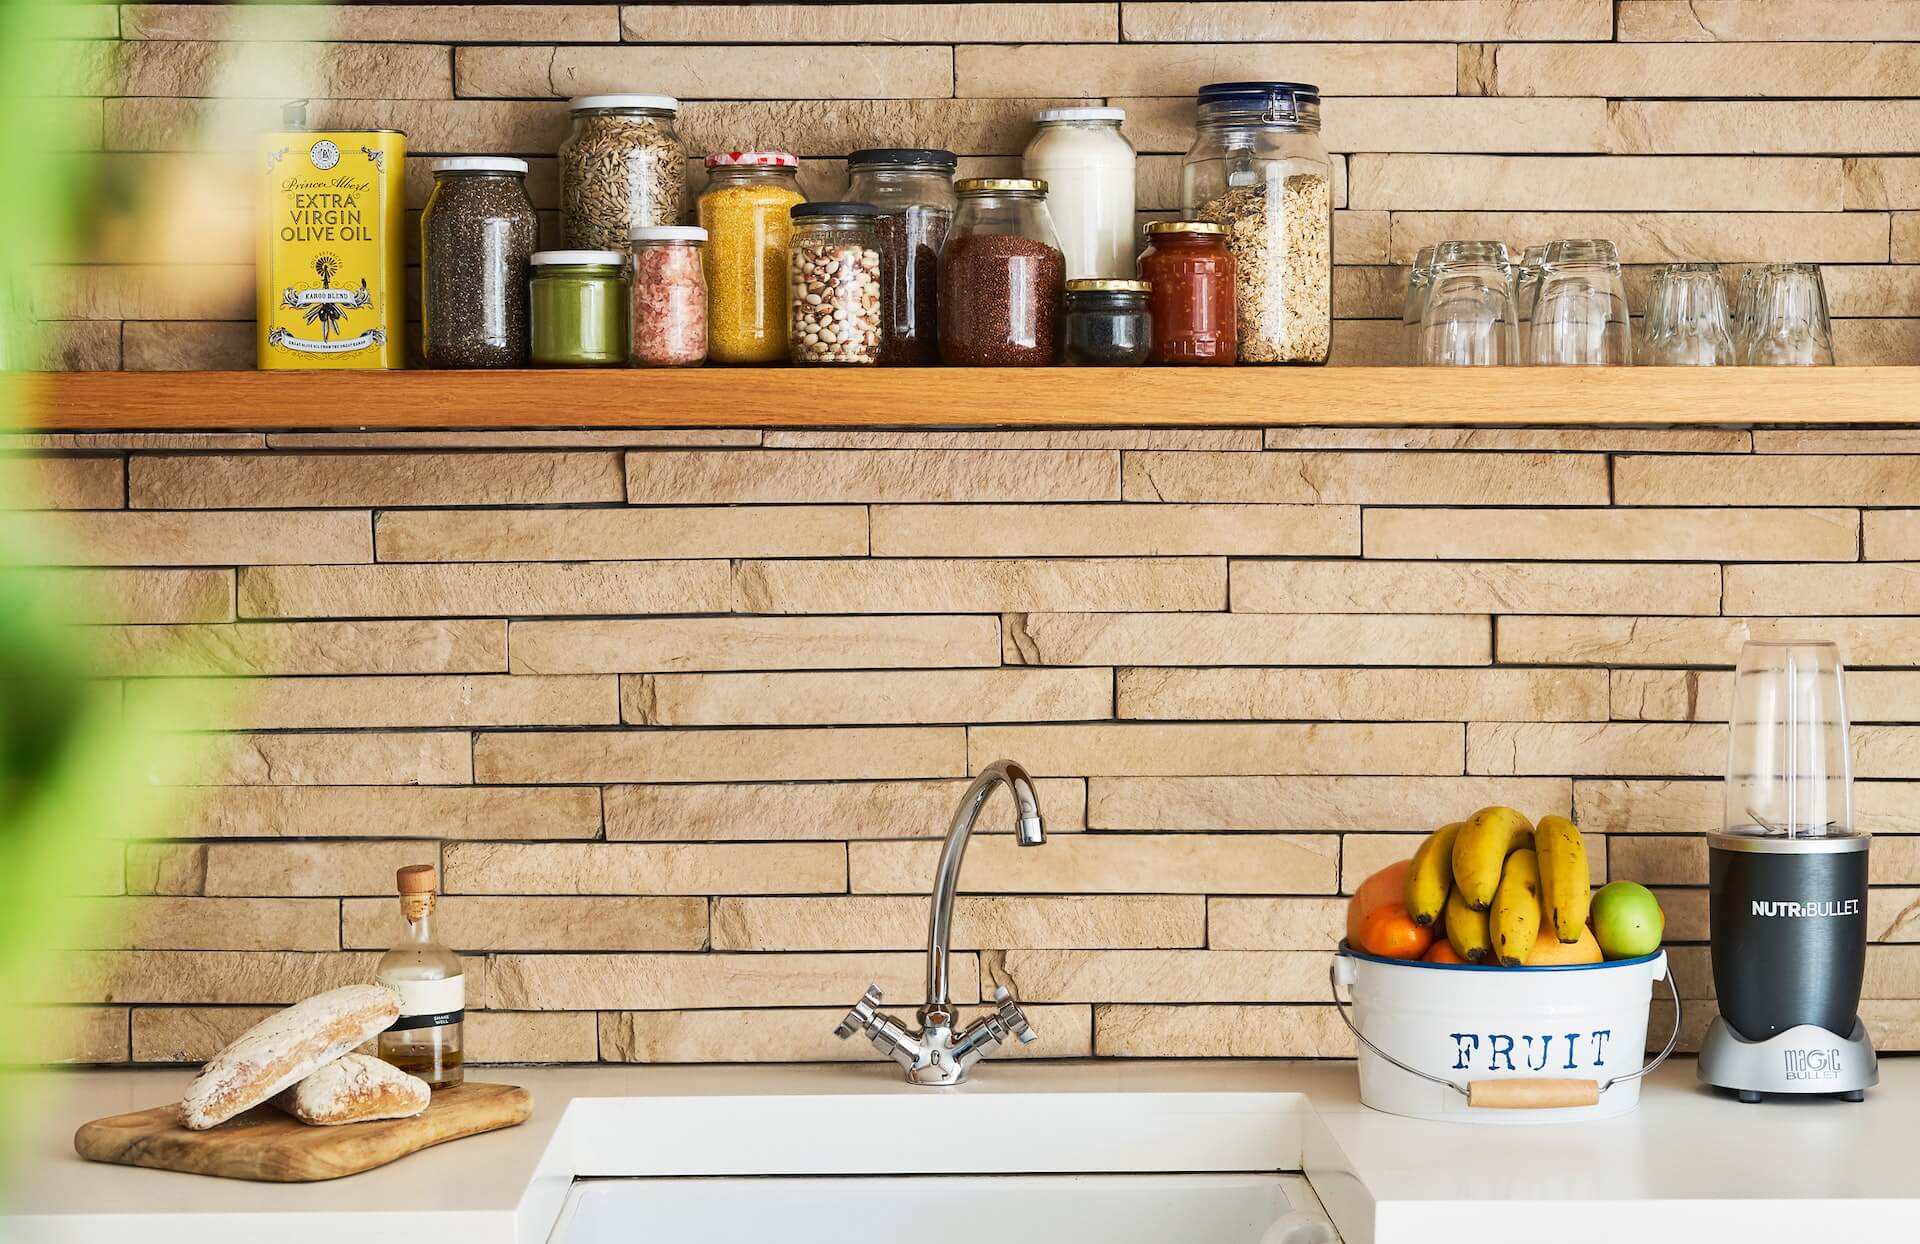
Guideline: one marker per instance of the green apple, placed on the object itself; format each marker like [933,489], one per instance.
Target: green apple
[1627,920]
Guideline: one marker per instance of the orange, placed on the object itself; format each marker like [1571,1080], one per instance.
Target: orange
[1385,886]
[1389,931]
[1550,951]
[1442,951]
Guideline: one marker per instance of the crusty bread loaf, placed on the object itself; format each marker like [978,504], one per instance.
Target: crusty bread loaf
[355,1087]
[284,1049]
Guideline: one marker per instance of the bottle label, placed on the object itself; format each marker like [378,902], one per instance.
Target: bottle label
[429,1004]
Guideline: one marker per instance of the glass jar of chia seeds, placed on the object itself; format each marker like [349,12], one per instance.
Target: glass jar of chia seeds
[1001,276]
[476,235]
[622,166]
[1107,323]
[579,304]
[913,188]
[834,314]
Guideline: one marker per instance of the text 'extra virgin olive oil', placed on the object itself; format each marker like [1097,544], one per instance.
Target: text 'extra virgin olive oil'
[332,261]
[432,983]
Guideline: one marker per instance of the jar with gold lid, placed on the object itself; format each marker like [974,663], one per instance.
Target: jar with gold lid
[1107,323]
[1193,302]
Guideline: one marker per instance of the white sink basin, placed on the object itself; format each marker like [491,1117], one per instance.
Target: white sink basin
[1009,1209]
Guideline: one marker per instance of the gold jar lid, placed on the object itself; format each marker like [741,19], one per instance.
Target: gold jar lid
[1089,285]
[1184,226]
[999,185]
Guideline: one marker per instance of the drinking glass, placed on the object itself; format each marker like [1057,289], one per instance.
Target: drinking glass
[1687,317]
[1469,319]
[1580,315]
[1526,289]
[1790,324]
[1415,304]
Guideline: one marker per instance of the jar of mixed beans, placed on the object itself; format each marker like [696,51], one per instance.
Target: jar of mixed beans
[621,166]
[476,235]
[835,306]
[669,296]
[1001,276]
[745,211]
[1193,299]
[913,188]
[579,308]
[1107,323]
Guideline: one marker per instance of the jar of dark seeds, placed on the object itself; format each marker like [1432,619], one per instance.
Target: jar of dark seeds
[1107,324]
[621,167]
[476,235]
[834,313]
[913,188]
[1001,275]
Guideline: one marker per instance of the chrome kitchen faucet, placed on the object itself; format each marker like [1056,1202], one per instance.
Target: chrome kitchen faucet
[937,1054]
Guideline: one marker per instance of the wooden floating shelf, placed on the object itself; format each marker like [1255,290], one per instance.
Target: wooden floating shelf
[978,397]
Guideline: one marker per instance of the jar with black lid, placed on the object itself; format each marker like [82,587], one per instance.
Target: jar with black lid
[476,235]
[913,188]
[834,283]
[1107,323]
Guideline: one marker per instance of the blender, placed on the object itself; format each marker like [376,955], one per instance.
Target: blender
[1788,886]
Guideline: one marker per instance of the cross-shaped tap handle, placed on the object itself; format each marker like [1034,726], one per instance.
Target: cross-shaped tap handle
[860,1018]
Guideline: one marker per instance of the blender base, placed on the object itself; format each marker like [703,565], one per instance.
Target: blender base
[1806,1059]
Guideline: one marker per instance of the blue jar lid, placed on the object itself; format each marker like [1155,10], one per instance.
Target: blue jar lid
[1285,96]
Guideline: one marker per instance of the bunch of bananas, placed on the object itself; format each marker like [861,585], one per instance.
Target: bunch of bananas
[1501,884]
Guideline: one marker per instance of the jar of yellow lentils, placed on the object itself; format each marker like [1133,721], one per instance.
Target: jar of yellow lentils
[744,211]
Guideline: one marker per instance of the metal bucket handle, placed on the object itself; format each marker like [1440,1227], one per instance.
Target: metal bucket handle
[1520,1093]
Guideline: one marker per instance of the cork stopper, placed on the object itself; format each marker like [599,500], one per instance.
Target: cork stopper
[417,879]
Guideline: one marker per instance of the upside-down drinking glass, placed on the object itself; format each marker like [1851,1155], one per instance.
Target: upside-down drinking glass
[1687,317]
[1415,304]
[1790,326]
[1469,320]
[1580,315]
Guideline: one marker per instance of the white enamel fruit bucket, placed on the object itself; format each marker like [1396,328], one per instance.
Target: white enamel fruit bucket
[1501,1045]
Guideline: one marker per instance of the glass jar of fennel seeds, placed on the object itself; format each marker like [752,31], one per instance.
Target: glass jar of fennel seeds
[579,308]
[622,166]
[476,235]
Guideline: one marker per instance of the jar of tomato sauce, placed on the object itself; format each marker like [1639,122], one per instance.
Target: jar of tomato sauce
[1192,302]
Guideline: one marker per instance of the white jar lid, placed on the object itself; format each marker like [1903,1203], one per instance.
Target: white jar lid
[669,233]
[1079,114]
[541,259]
[480,164]
[661,103]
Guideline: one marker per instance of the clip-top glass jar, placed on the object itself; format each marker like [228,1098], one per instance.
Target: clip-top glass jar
[669,297]
[835,315]
[744,210]
[913,188]
[1107,323]
[1193,301]
[579,308]
[1258,166]
[1001,276]
[621,167]
[1088,166]
[476,235]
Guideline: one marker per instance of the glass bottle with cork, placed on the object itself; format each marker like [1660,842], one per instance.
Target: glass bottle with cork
[432,984]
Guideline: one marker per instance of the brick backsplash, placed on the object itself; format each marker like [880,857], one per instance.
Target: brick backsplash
[1727,130]
[682,723]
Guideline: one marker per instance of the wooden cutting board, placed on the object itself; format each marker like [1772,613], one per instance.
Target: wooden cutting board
[267,1145]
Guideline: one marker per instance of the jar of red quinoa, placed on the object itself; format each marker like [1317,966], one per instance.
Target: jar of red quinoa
[669,320]
[1001,276]
[1192,301]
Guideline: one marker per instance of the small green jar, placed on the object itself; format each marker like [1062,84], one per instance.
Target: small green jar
[579,308]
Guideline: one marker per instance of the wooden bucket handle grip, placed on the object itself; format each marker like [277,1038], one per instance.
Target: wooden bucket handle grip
[1532,1094]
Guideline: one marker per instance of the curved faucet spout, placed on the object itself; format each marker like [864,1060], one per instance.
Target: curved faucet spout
[1029,832]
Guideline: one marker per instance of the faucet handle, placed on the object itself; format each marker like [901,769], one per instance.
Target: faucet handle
[860,1018]
[1013,1017]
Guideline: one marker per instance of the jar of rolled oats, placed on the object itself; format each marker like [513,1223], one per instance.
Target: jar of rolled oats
[1259,168]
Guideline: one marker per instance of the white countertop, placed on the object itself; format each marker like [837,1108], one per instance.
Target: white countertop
[1685,1165]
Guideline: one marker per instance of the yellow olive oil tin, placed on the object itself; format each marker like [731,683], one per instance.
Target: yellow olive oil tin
[332,262]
